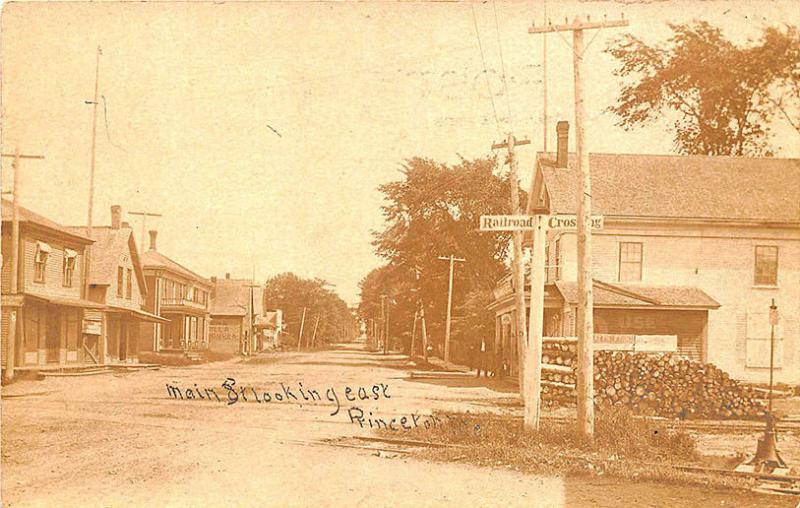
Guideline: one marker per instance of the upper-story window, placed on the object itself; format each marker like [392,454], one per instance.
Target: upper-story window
[40,261]
[766,265]
[630,261]
[120,280]
[69,267]
[129,285]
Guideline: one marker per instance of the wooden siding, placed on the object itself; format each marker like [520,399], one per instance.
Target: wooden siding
[53,284]
[136,300]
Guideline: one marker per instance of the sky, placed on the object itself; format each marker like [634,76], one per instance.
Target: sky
[261,130]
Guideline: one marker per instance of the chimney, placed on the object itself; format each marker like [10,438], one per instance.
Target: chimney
[153,233]
[227,275]
[214,279]
[116,217]
[562,136]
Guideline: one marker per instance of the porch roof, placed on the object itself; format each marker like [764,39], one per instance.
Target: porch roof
[635,295]
[138,314]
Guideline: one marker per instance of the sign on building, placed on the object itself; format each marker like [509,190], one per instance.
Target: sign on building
[570,222]
[507,223]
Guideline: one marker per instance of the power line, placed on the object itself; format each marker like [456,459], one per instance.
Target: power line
[503,66]
[483,61]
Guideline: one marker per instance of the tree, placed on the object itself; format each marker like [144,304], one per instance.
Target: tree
[291,294]
[720,97]
[434,210]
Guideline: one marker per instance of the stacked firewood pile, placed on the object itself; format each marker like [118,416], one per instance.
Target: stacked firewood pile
[649,384]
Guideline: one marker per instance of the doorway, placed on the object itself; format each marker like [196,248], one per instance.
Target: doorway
[53,334]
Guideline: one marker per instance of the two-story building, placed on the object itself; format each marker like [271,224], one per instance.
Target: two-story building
[235,312]
[178,295]
[46,305]
[116,281]
[692,247]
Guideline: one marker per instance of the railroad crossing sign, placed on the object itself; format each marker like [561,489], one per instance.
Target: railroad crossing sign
[527,222]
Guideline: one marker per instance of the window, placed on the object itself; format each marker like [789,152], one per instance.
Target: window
[129,286]
[69,267]
[120,280]
[766,266]
[40,261]
[630,261]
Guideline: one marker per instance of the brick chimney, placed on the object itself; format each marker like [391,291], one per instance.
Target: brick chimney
[214,279]
[227,275]
[116,217]
[562,142]
[153,234]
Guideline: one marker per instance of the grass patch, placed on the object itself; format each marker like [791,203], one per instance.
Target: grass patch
[624,447]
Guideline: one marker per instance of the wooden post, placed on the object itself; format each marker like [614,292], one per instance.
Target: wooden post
[314,335]
[585,385]
[302,324]
[452,259]
[16,271]
[585,318]
[517,270]
[424,330]
[413,334]
[536,324]
[449,311]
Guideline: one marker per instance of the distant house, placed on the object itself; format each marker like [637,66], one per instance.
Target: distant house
[50,313]
[178,295]
[693,251]
[236,307]
[116,281]
[268,327]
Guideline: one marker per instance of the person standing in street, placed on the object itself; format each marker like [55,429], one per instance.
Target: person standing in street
[482,364]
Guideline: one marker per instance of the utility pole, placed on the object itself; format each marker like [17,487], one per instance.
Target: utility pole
[414,334]
[544,83]
[144,216]
[424,330]
[517,270]
[314,335]
[88,251]
[585,321]
[15,270]
[302,324]
[452,260]
[385,310]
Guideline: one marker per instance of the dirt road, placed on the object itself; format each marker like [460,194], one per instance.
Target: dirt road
[253,434]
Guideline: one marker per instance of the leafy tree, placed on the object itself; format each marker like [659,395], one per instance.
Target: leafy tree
[434,210]
[291,293]
[720,97]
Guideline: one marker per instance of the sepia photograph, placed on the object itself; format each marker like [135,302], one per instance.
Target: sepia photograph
[534,253]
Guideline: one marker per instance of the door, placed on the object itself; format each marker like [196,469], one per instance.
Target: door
[53,333]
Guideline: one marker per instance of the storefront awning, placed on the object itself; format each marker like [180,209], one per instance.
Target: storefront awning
[20,299]
[74,302]
[138,314]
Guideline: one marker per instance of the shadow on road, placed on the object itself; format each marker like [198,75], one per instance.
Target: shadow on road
[502,385]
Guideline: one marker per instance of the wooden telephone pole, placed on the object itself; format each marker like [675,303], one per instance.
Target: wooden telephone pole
[585,321]
[518,273]
[11,340]
[302,324]
[452,260]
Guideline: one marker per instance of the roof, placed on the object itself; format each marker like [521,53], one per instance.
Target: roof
[679,186]
[31,217]
[231,297]
[109,244]
[629,295]
[153,259]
